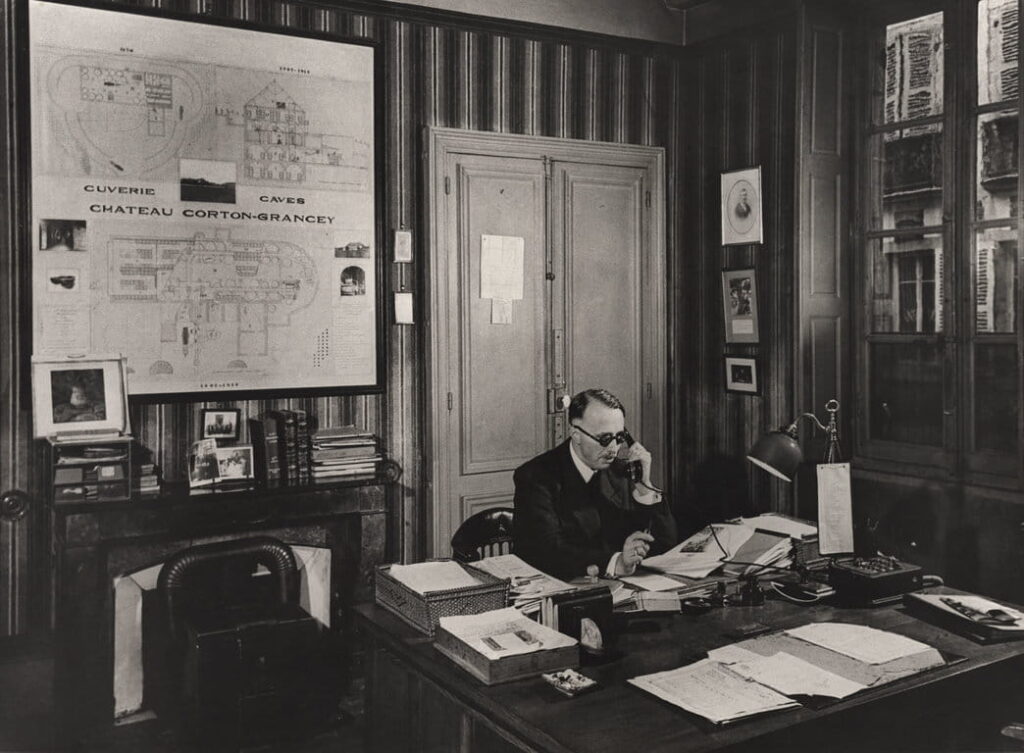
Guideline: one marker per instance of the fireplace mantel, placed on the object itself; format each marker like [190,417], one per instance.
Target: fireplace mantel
[94,543]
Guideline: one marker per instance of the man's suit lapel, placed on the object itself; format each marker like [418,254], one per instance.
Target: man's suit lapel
[613,488]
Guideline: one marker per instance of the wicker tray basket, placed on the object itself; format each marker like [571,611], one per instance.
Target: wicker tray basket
[424,611]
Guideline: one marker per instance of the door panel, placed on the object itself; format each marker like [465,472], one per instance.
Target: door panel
[602,239]
[501,365]
[492,372]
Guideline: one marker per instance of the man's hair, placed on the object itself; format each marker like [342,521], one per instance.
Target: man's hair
[581,400]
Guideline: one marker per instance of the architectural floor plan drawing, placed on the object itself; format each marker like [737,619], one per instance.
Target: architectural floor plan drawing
[197,195]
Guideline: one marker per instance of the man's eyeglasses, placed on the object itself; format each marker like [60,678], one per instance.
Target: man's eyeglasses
[607,438]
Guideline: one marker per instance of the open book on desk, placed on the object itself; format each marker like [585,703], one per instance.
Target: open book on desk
[703,552]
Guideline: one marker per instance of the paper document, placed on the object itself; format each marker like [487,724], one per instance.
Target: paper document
[424,577]
[780,524]
[652,582]
[501,267]
[504,632]
[793,676]
[860,642]
[835,509]
[714,692]
[702,553]
[731,654]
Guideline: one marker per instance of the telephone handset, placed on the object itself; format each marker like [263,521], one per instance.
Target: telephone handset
[631,469]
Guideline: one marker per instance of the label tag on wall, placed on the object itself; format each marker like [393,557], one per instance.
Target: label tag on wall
[403,246]
[403,308]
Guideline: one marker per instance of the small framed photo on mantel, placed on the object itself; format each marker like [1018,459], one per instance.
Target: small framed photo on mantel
[741,207]
[739,296]
[742,375]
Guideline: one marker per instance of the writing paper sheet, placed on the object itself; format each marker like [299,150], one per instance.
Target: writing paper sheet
[709,689]
[793,676]
[835,509]
[501,267]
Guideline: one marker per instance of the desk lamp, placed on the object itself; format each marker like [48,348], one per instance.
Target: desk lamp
[779,453]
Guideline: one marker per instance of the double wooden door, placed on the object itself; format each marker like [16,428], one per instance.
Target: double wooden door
[589,220]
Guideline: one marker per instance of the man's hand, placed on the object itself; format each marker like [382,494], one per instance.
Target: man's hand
[635,548]
[638,452]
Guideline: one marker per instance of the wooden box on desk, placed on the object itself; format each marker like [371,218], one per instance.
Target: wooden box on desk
[508,668]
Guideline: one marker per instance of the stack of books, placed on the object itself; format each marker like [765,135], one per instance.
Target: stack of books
[281,447]
[146,480]
[343,451]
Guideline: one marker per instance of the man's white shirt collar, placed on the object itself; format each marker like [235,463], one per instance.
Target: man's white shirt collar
[585,470]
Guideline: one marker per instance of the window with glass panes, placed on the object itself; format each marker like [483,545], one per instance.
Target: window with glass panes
[939,323]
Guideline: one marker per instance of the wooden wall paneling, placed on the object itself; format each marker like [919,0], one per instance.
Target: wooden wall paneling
[739,111]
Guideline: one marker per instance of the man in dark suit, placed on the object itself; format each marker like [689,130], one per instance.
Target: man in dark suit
[575,511]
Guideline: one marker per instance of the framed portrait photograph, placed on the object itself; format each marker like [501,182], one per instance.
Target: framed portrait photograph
[220,423]
[741,207]
[73,396]
[234,463]
[739,297]
[742,375]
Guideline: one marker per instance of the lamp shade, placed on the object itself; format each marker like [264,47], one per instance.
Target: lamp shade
[777,452]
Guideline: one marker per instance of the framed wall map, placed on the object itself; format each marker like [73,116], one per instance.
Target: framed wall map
[741,207]
[205,201]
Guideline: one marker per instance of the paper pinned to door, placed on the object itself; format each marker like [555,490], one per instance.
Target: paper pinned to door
[501,266]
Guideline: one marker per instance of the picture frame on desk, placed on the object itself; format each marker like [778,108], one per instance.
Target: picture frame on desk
[234,463]
[75,396]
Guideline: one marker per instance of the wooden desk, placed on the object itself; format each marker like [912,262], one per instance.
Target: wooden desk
[417,700]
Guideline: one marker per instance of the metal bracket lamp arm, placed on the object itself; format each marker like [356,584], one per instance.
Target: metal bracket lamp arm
[779,453]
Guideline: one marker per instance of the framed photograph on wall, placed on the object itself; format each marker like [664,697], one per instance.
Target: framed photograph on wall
[226,208]
[742,375]
[79,396]
[220,423]
[741,207]
[739,298]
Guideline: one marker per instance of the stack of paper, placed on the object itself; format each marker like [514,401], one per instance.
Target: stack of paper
[703,552]
[424,577]
[529,585]
[781,524]
[762,552]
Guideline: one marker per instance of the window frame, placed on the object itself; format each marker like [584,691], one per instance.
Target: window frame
[956,457]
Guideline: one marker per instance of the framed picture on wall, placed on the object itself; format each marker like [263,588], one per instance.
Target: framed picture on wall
[741,207]
[220,423]
[742,375]
[231,205]
[739,298]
